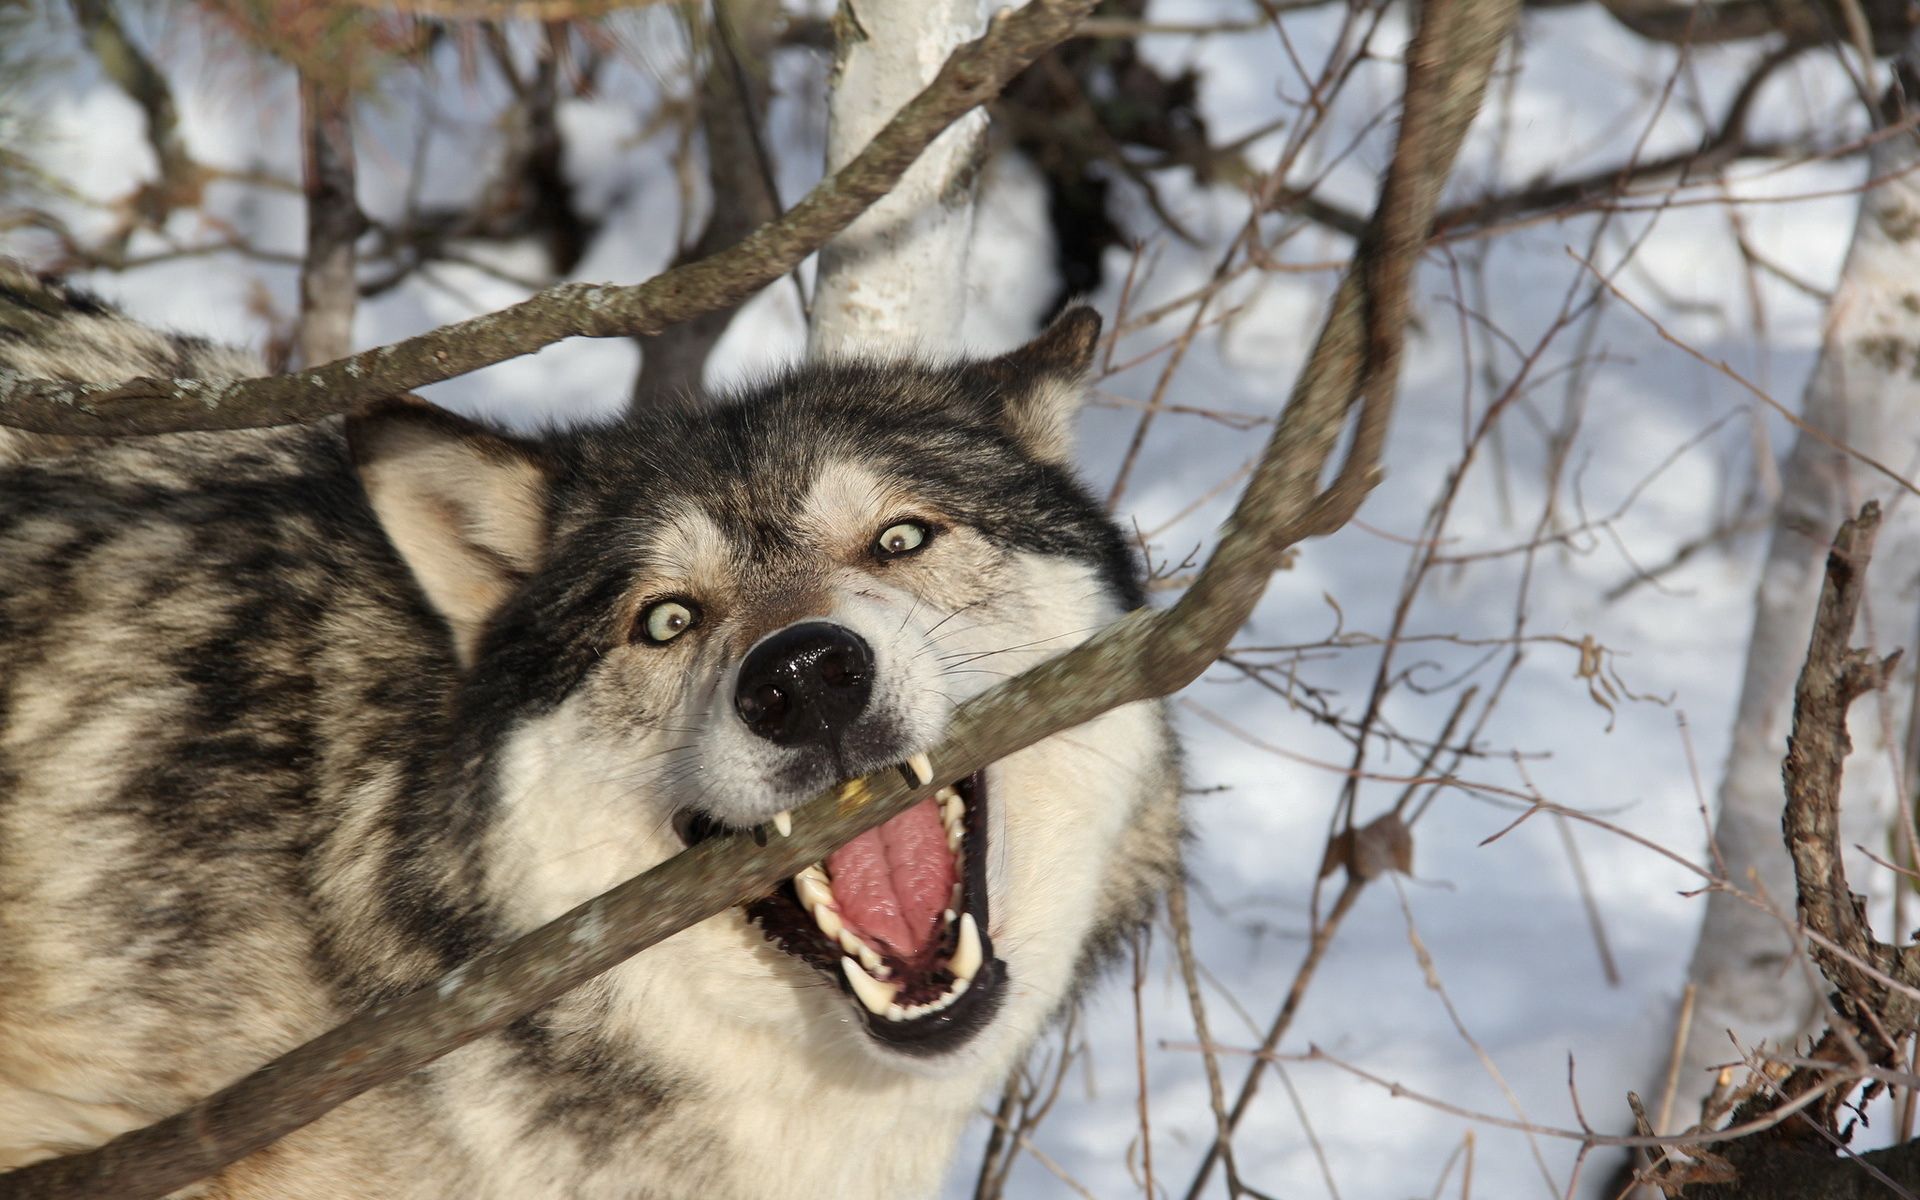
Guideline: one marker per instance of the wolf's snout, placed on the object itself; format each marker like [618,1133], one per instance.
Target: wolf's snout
[806,683]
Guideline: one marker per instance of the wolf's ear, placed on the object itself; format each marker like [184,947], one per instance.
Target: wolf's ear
[465,507]
[1042,384]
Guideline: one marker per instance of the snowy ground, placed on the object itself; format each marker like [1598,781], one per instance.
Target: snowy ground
[1504,922]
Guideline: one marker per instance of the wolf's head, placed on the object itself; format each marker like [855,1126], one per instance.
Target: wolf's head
[700,617]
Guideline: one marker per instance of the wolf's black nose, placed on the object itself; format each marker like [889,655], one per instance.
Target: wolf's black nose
[806,683]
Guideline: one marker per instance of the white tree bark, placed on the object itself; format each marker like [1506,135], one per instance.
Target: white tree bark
[896,279]
[1865,394]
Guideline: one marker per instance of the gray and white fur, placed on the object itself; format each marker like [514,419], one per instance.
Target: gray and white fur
[295,719]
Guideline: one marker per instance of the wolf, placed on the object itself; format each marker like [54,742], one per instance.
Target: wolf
[293,720]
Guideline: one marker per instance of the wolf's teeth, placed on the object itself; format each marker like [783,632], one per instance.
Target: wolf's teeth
[813,888]
[828,919]
[950,916]
[958,989]
[855,948]
[946,795]
[783,822]
[967,956]
[895,1011]
[877,997]
[922,768]
[954,838]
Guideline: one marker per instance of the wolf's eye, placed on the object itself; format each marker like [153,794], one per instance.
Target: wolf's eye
[667,620]
[901,538]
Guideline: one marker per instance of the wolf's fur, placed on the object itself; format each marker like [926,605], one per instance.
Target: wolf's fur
[291,720]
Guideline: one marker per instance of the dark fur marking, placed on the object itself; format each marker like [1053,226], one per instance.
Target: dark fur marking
[594,1095]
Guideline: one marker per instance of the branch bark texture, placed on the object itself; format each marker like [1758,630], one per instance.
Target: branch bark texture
[1145,655]
[327,285]
[971,76]
[734,93]
[1834,676]
[897,277]
[1804,1157]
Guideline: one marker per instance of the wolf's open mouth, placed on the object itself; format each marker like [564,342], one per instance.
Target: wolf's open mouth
[898,917]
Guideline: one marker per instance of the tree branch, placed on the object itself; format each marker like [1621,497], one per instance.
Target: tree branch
[179,178]
[327,288]
[1832,679]
[1807,1156]
[733,104]
[1145,655]
[971,76]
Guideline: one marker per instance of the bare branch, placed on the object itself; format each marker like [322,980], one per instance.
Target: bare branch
[972,75]
[1740,20]
[327,291]
[180,178]
[733,103]
[1832,679]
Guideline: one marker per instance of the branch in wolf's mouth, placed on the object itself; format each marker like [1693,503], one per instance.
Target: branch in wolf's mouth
[971,76]
[1145,655]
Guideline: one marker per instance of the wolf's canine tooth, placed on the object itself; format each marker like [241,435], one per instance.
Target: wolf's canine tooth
[921,768]
[876,996]
[967,957]
[783,822]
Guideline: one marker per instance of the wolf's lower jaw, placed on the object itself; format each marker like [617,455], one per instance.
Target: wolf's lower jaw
[905,935]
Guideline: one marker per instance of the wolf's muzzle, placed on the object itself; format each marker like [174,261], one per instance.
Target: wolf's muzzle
[807,683]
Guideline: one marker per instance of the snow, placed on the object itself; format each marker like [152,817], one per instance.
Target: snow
[1502,919]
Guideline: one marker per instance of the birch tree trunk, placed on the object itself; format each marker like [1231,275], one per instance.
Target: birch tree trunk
[1864,396]
[896,279]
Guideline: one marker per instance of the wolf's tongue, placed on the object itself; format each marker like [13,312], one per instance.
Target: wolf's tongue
[893,882]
